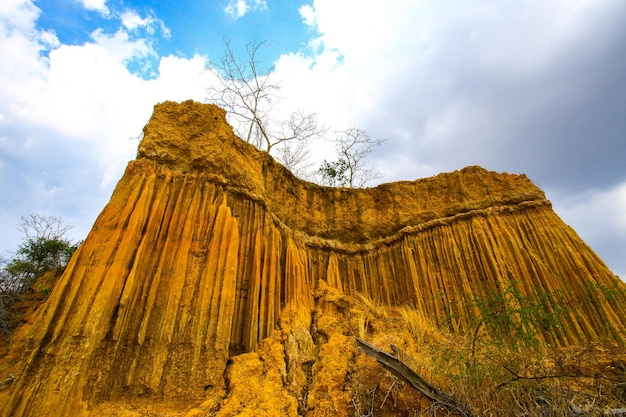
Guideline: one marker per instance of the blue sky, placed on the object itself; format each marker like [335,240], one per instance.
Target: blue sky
[182,28]
[535,87]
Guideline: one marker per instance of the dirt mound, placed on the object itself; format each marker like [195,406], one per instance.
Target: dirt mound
[216,283]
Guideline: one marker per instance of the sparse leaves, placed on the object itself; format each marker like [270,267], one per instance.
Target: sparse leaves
[251,97]
[334,173]
[353,146]
[43,248]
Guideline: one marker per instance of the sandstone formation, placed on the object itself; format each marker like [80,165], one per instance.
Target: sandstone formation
[211,279]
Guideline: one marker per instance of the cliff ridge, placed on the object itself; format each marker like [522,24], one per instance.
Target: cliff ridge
[215,282]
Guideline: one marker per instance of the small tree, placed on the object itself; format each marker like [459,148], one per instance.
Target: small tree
[334,173]
[249,95]
[43,248]
[351,169]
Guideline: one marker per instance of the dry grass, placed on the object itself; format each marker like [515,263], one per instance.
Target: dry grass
[490,376]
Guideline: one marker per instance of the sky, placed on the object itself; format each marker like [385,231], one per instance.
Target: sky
[532,86]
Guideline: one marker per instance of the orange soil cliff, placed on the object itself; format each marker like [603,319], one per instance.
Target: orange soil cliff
[209,246]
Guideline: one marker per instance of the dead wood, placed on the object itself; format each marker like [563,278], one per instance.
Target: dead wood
[408,375]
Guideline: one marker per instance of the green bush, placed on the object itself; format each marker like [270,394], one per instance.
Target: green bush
[44,248]
[35,257]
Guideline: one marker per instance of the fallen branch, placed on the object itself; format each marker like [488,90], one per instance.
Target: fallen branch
[402,371]
[578,411]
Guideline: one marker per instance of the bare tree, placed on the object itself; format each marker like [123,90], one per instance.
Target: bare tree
[35,227]
[295,157]
[351,169]
[250,95]
[251,98]
[246,92]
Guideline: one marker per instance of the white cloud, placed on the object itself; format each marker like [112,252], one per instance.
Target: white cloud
[509,87]
[121,46]
[68,114]
[468,82]
[238,8]
[596,213]
[49,39]
[131,20]
[96,5]
[23,68]
[437,42]
[308,15]
[18,14]
[534,87]
[599,217]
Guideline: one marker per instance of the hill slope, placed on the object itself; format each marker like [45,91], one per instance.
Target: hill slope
[216,283]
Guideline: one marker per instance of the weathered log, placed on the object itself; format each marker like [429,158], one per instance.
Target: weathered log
[578,411]
[408,375]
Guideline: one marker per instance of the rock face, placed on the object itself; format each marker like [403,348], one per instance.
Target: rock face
[209,248]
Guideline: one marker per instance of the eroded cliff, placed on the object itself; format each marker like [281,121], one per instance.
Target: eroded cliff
[210,281]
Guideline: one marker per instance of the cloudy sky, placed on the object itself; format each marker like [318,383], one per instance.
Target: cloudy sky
[531,86]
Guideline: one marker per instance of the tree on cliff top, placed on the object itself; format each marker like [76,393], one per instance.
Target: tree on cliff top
[351,169]
[250,95]
[251,98]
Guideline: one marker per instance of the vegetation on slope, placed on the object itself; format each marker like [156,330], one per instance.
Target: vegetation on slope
[488,372]
[43,250]
[215,283]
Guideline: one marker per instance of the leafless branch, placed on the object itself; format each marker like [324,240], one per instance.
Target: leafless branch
[36,227]
[353,146]
[250,95]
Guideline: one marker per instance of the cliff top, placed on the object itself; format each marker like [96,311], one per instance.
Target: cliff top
[214,282]
[195,139]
